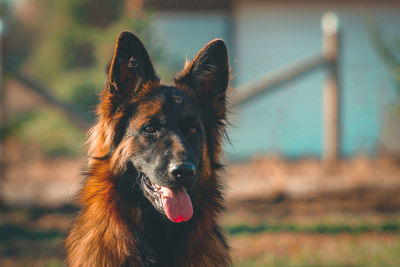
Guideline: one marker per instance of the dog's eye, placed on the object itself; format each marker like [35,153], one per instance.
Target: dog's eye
[149,129]
[192,131]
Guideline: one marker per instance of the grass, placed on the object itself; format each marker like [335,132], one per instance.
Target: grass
[353,251]
[34,238]
[319,241]
[320,228]
[9,232]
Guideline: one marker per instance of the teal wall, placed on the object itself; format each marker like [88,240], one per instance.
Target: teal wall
[289,120]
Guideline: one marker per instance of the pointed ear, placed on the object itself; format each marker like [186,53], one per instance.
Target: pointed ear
[208,73]
[130,66]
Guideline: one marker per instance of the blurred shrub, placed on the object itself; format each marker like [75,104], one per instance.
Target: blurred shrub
[102,12]
[14,38]
[52,132]
[77,43]
[389,52]
[75,40]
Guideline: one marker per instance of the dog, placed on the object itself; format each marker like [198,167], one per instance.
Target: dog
[152,192]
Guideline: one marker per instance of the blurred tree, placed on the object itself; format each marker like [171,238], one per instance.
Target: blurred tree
[77,42]
[14,38]
[74,42]
[389,52]
[101,12]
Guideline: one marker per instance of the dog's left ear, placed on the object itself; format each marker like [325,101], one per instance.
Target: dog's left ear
[208,75]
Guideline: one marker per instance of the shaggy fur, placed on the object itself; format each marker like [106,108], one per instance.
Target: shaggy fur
[119,225]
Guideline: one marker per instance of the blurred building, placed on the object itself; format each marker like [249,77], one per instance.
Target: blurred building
[265,35]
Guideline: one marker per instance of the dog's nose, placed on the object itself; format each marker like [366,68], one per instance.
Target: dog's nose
[182,170]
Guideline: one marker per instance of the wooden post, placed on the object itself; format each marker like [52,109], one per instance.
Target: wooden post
[331,136]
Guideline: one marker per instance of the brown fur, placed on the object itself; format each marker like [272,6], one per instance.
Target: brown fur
[110,231]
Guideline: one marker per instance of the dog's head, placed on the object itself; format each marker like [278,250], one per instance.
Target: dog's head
[170,135]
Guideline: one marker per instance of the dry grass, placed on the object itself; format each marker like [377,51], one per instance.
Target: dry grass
[281,213]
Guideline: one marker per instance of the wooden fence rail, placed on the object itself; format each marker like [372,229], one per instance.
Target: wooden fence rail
[275,80]
[76,116]
[327,58]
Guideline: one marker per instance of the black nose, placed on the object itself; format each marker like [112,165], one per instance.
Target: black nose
[182,170]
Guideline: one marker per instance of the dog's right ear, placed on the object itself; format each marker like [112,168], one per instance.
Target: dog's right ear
[130,66]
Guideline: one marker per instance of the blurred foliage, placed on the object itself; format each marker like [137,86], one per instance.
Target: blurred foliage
[77,43]
[49,130]
[14,38]
[389,52]
[73,43]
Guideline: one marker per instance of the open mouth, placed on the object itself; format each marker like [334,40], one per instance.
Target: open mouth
[175,202]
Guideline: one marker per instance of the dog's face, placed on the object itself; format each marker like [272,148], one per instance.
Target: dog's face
[169,139]
[166,131]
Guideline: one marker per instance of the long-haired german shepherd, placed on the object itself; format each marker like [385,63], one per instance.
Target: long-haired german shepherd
[152,192]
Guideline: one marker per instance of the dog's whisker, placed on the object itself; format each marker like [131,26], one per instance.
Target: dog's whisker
[136,181]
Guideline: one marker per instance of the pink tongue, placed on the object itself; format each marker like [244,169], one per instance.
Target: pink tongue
[177,204]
